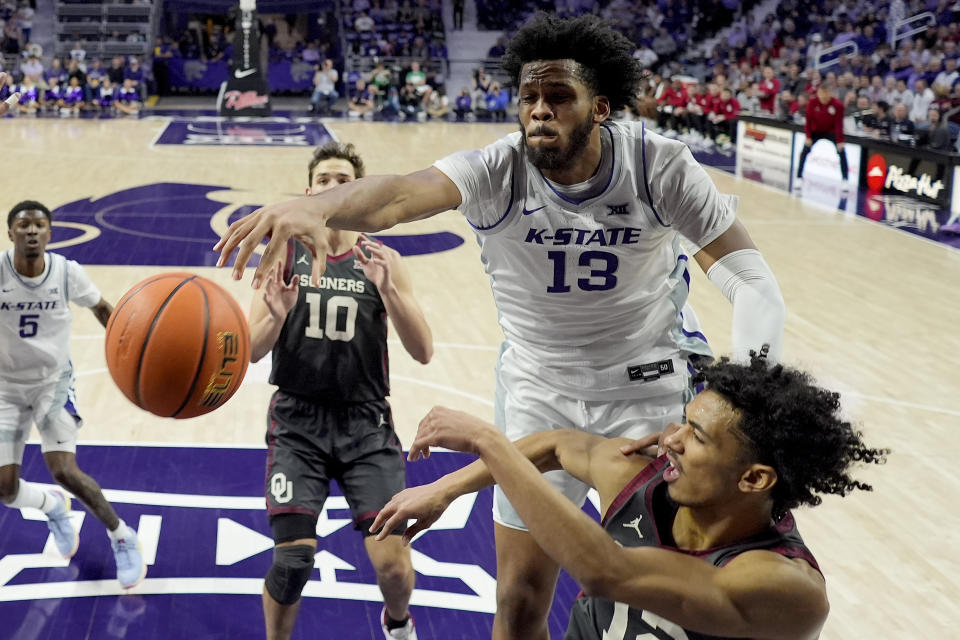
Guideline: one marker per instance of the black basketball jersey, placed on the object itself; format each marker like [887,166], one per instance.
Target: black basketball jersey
[333,345]
[638,517]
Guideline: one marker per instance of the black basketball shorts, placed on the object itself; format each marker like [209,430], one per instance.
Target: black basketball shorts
[310,444]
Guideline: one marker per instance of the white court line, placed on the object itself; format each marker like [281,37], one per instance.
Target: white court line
[90,372]
[901,403]
[443,387]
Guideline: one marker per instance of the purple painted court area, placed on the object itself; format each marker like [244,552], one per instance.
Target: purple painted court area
[169,224]
[201,512]
[275,131]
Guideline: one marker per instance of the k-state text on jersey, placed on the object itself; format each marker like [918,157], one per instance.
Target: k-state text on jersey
[585,237]
[42,305]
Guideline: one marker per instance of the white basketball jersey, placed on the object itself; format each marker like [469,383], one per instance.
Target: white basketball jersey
[592,293]
[35,317]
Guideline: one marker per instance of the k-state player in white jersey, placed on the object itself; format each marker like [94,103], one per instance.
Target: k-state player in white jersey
[580,221]
[36,384]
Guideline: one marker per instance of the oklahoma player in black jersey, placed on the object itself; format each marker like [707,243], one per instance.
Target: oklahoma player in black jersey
[698,543]
[329,419]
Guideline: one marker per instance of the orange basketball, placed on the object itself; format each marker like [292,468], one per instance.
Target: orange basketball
[178,345]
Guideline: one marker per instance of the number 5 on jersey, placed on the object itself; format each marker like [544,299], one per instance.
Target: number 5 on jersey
[340,317]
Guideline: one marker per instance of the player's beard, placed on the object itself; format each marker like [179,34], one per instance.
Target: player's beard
[561,158]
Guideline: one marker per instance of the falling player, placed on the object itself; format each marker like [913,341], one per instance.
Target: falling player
[580,222]
[329,418]
[699,543]
[36,385]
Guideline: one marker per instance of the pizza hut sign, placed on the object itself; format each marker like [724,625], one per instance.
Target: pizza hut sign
[894,178]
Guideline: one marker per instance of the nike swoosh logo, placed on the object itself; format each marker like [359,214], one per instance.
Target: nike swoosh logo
[5,290]
[527,212]
[244,74]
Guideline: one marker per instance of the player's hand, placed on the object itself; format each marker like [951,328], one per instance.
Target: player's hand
[14,98]
[424,504]
[444,427]
[377,267]
[277,222]
[280,297]
[808,143]
[839,146]
[641,445]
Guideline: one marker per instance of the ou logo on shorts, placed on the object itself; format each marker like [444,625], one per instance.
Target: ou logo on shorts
[280,488]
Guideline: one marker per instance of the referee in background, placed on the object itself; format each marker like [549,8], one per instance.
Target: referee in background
[824,122]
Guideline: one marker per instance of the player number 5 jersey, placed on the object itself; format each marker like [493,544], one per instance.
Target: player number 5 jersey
[35,316]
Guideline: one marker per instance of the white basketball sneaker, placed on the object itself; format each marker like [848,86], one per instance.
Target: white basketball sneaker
[406,632]
[60,525]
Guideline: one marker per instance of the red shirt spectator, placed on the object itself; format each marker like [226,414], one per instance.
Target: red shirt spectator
[675,95]
[769,88]
[825,115]
[729,108]
[705,101]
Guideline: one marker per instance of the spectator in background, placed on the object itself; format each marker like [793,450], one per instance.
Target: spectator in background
[723,119]
[902,129]
[137,78]
[438,104]
[324,88]
[57,71]
[458,14]
[411,103]
[417,78]
[948,77]
[901,95]
[664,45]
[497,101]
[32,69]
[73,96]
[769,87]
[363,23]
[52,98]
[876,92]
[29,96]
[74,71]
[750,101]
[937,134]
[116,70]
[463,105]
[673,102]
[361,101]
[815,49]
[24,18]
[878,122]
[498,48]
[824,122]
[921,102]
[128,99]
[861,111]
[646,56]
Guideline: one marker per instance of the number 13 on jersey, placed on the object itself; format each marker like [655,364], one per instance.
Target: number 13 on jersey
[602,267]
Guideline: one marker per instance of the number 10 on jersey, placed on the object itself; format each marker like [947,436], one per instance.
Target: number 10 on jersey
[341,317]
[602,265]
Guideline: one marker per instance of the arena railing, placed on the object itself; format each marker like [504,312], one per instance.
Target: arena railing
[896,36]
[821,63]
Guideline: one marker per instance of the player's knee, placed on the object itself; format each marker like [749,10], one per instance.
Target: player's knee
[394,570]
[522,600]
[8,489]
[292,565]
[66,475]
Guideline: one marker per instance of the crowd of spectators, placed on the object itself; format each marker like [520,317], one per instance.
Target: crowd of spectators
[908,93]
[71,85]
[388,28]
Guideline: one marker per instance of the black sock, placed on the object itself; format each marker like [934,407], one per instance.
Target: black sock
[394,624]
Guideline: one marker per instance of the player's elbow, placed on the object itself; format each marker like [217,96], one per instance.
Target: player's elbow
[423,353]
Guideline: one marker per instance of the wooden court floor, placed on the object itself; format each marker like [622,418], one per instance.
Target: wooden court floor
[873,312]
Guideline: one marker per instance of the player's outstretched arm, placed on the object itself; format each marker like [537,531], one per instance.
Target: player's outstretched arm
[372,203]
[385,269]
[759,594]
[595,460]
[102,311]
[735,266]
[268,313]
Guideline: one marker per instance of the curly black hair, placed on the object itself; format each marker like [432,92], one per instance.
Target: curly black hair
[605,57]
[27,205]
[336,150]
[791,424]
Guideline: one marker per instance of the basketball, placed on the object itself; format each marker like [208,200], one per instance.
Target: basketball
[177,345]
